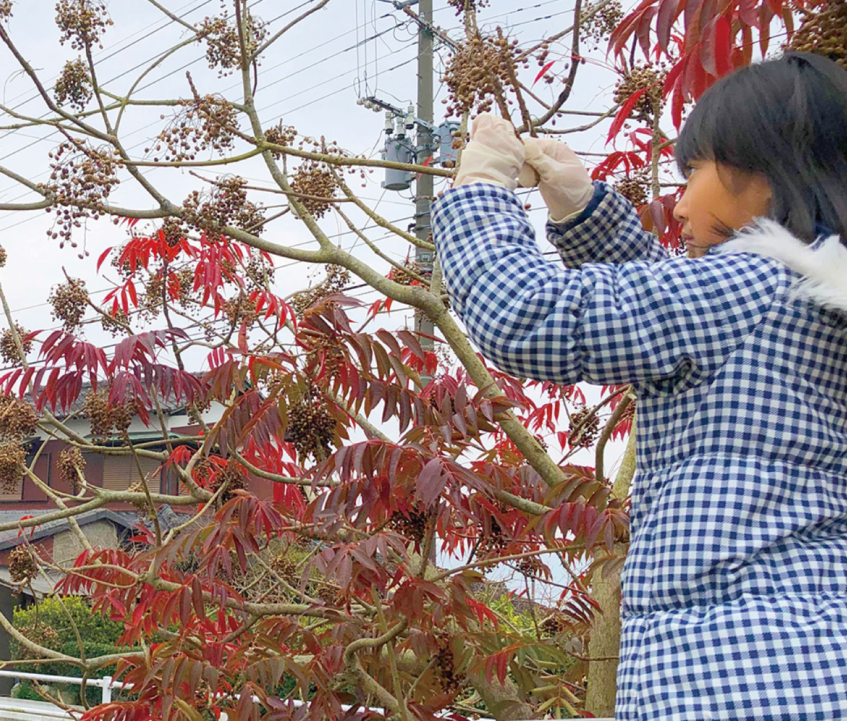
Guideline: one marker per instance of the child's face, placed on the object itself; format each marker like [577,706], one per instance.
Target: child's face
[717,201]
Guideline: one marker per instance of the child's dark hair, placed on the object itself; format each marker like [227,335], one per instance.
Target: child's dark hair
[786,119]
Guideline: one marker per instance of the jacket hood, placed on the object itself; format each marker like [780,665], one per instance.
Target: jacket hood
[822,266]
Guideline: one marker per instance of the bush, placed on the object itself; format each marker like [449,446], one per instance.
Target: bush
[48,623]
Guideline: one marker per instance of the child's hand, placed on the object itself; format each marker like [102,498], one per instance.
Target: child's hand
[495,154]
[564,182]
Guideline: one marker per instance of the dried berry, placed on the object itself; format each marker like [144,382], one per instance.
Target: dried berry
[8,346]
[635,187]
[479,71]
[555,625]
[104,417]
[223,45]
[81,180]
[12,465]
[5,9]
[311,428]
[585,424]
[232,476]
[285,567]
[225,205]
[83,22]
[240,310]
[205,123]
[73,87]
[22,566]
[336,280]
[649,77]
[3,257]
[71,465]
[471,5]
[412,524]
[69,301]
[596,27]
[18,419]
[445,664]
[407,274]
[823,31]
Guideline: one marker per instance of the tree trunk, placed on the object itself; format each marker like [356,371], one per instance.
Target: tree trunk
[604,645]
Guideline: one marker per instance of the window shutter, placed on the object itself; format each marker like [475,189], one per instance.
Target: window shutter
[120,472]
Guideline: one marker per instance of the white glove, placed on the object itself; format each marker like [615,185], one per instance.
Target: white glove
[495,154]
[564,182]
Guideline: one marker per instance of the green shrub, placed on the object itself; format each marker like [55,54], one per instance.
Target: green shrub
[48,624]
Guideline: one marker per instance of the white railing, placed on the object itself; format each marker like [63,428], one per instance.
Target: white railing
[106,684]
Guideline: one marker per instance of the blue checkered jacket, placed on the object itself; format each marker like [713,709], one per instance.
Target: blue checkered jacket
[735,587]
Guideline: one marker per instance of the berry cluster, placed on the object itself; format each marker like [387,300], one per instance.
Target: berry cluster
[105,418]
[258,272]
[226,205]
[412,524]
[635,187]
[81,180]
[530,566]
[555,625]
[479,71]
[73,86]
[336,280]
[204,123]
[285,567]
[585,425]
[403,276]
[445,665]
[330,595]
[8,348]
[311,428]
[22,566]
[597,27]
[5,9]
[3,257]
[12,464]
[232,477]
[83,22]
[494,543]
[71,465]
[69,301]
[18,419]
[223,46]
[281,134]
[647,76]
[316,180]
[324,351]
[472,5]
[823,31]
[114,321]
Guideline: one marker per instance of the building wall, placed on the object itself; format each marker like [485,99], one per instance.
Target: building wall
[66,546]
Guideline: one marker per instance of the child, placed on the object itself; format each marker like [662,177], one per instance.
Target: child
[735,587]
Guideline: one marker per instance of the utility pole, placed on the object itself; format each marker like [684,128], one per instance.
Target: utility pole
[424,186]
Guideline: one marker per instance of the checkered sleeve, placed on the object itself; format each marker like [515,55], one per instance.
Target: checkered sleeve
[607,231]
[674,321]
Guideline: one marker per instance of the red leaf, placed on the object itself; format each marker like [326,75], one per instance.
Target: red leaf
[102,258]
[668,13]
[623,114]
[542,72]
[747,13]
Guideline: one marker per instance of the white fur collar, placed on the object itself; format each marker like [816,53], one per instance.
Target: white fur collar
[822,265]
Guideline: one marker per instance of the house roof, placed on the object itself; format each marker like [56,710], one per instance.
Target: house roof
[12,538]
